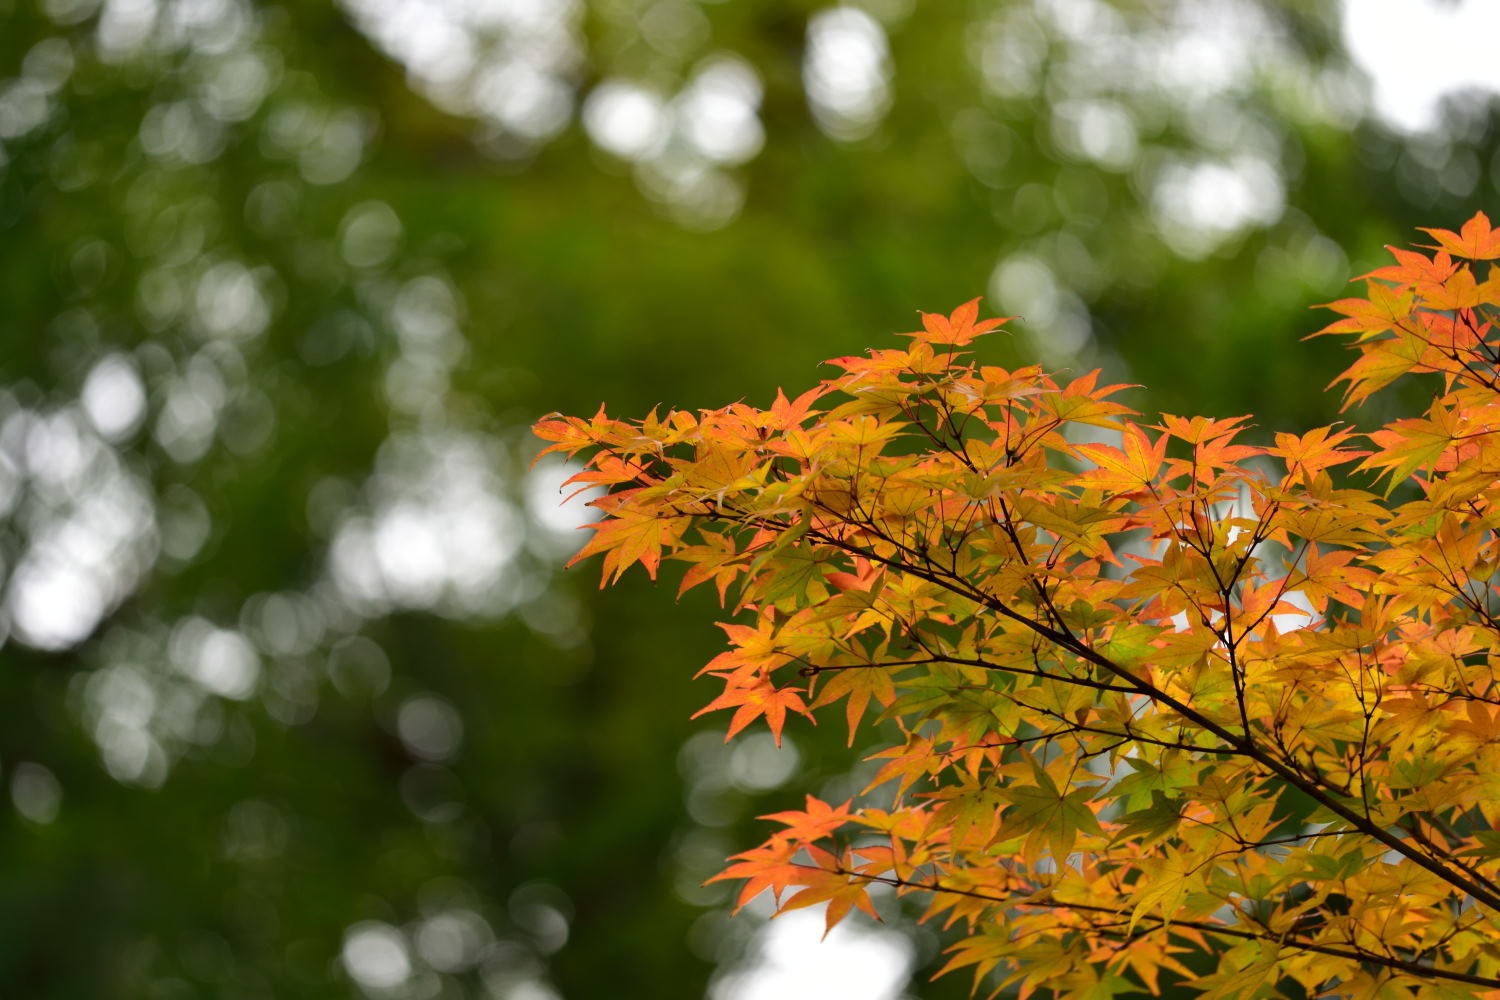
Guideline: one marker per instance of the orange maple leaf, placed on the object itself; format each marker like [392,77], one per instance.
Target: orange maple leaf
[957,329]
[839,889]
[758,698]
[1129,469]
[816,822]
[1475,240]
[768,866]
[1413,268]
[1316,450]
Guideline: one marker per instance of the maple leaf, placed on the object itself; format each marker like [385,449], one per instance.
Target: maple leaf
[1200,430]
[1385,309]
[1232,984]
[859,684]
[716,559]
[756,699]
[841,891]
[1329,575]
[1316,450]
[1407,445]
[1044,808]
[1165,880]
[1381,365]
[814,823]
[909,763]
[1459,291]
[958,329]
[571,435]
[1475,240]
[784,415]
[629,537]
[769,866]
[1127,470]
[1413,268]
[756,652]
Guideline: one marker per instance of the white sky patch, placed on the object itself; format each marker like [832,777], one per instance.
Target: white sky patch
[510,62]
[1056,320]
[91,532]
[1199,205]
[376,956]
[559,511]
[1292,620]
[438,534]
[1098,130]
[114,397]
[1417,51]
[793,964]
[683,144]
[717,111]
[626,119]
[222,661]
[846,72]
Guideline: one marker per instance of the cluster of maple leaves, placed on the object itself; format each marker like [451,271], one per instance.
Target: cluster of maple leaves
[1183,706]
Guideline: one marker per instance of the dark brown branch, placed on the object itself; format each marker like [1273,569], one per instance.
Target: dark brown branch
[1290,939]
[1248,747]
[811,669]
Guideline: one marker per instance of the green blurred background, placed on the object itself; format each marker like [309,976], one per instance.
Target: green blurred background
[299,701]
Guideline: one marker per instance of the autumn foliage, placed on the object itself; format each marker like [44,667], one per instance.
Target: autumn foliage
[1170,702]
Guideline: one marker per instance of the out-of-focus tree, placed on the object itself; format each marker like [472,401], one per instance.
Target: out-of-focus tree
[298,701]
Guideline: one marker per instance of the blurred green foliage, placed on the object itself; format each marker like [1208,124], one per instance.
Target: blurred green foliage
[299,701]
